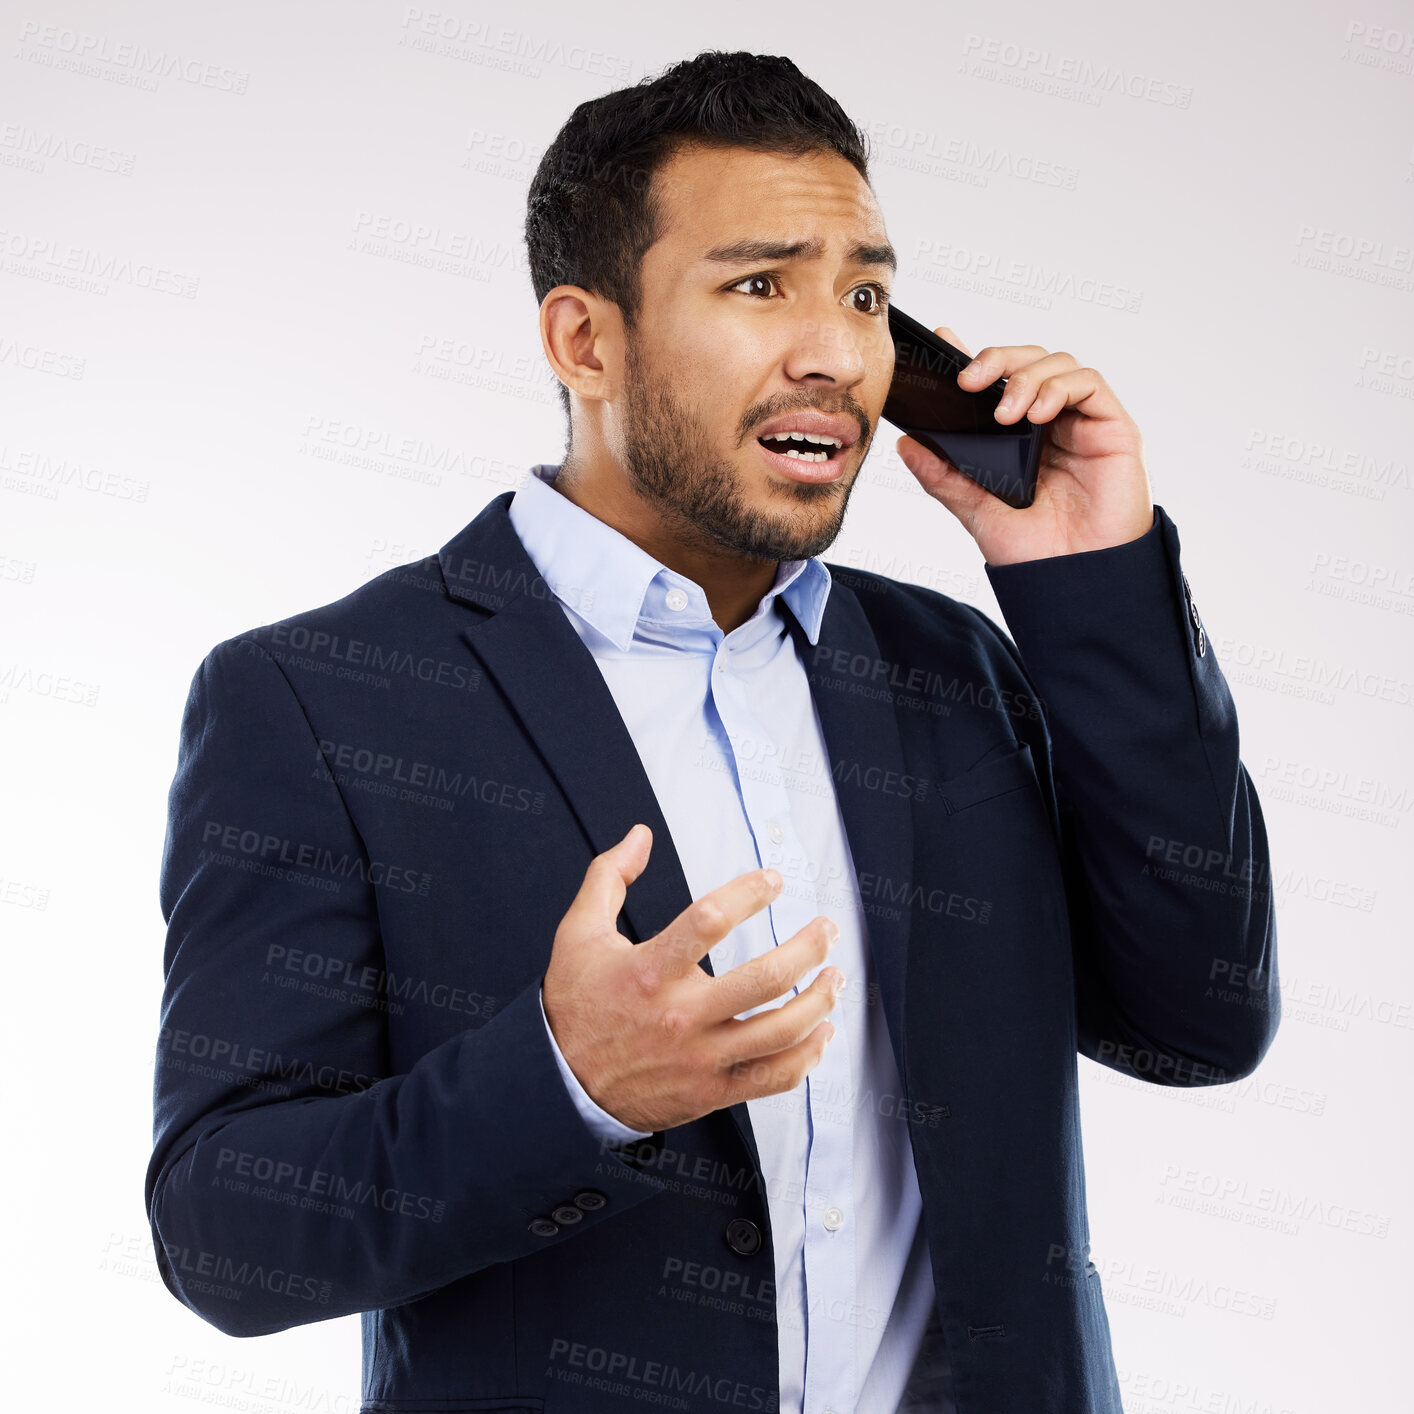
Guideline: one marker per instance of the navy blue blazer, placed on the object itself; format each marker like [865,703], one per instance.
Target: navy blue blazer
[382,809]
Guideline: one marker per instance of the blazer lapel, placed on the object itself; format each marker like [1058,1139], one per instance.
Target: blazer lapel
[557,691]
[864,745]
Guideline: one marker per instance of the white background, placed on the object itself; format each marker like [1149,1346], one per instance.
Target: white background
[1209,204]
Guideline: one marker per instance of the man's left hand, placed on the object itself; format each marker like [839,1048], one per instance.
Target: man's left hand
[1091,490]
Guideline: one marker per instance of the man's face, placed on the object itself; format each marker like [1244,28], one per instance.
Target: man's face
[727,342]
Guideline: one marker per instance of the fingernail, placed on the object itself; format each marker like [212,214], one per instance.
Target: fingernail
[774,880]
[832,932]
[837,985]
[830,1034]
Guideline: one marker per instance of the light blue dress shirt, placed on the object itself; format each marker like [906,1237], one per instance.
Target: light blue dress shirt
[726,728]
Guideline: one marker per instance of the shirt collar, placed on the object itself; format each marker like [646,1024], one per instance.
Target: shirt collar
[613,583]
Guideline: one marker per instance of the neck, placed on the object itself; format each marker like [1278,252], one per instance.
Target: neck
[734,584]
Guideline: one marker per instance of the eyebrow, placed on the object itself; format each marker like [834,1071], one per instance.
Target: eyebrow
[748,252]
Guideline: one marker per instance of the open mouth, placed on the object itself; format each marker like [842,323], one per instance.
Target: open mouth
[805,457]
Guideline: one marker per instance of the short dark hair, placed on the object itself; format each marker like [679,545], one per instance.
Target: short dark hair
[590,214]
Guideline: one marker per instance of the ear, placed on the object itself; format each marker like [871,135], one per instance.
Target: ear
[583,338]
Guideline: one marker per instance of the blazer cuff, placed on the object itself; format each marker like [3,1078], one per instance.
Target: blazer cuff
[1133,592]
[601,1123]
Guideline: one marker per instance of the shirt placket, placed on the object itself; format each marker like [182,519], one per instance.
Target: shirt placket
[828,1199]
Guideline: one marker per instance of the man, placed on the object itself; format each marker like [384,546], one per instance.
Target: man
[630,960]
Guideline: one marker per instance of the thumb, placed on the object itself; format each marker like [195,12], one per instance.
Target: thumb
[606,881]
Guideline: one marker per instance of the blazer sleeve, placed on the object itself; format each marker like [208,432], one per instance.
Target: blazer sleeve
[293,1178]
[1164,848]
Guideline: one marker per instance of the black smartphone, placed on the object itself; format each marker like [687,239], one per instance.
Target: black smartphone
[926,402]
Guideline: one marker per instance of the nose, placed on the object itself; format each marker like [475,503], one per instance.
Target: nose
[827,345]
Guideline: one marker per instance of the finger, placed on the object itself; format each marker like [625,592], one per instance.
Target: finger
[952,338]
[596,906]
[762,979]
[773,1075]
[999,361]
[779,1028]
[706,921]
[1023,385]
[1080,388]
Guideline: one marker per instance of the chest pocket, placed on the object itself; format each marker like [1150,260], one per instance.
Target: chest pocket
[1006,768]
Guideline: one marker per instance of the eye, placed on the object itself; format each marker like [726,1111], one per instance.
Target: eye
[749,278]
[881,301]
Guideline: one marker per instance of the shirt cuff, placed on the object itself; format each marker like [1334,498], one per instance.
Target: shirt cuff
[601,1123]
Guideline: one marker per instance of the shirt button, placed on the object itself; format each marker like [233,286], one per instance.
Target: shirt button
[833,1219]
[676,599]
[775,832]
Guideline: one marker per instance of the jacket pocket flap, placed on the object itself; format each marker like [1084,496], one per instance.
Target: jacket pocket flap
[1006,768]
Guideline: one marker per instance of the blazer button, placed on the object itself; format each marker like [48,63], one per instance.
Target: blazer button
[590,1200]
[566,1214]
[744,1236]
[1200,639]
[543,1227]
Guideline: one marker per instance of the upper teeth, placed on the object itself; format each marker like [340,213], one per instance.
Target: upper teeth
[804,436]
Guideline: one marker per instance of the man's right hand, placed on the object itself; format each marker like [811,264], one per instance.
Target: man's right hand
[655,1040]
